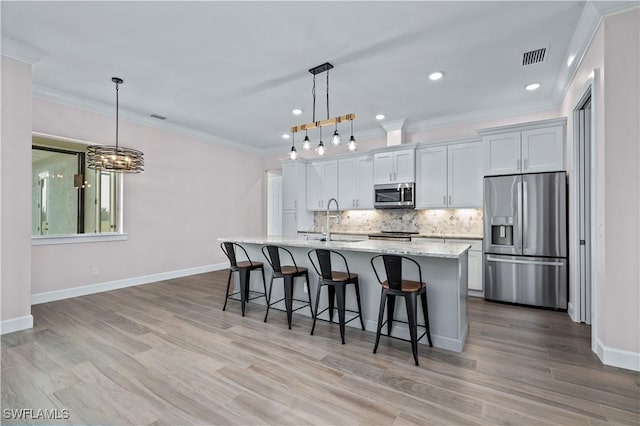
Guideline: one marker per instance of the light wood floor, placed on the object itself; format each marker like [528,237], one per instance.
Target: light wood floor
[165,353]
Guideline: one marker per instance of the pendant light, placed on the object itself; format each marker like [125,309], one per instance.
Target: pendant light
[293,154]
[352,145]
[321,150]
[115,158]
[336,139]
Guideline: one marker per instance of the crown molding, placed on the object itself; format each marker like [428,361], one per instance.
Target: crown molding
[20,51]
[59,97]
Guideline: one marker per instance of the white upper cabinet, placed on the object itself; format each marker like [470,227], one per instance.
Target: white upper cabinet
[431,177]
[292,173]
[464,175]
[295,216]
[355,188]
[449,176]
[527,148]
[543,150]
[394,166]
[322,183]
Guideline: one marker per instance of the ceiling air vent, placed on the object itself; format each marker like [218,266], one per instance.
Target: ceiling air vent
[534,56]
[159,117]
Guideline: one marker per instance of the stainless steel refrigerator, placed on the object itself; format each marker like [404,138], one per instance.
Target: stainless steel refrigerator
[525,239]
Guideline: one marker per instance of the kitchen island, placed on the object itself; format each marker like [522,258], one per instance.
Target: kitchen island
[444,269]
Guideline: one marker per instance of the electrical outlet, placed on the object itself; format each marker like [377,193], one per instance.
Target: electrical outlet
[95,272]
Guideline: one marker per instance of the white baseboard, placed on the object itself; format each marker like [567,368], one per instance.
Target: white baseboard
[617,357]
[67,293]
[16,324]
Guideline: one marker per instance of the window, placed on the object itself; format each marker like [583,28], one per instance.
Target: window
[67,197]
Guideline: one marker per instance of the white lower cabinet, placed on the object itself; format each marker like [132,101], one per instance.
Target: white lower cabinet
[474,261]
[289,222]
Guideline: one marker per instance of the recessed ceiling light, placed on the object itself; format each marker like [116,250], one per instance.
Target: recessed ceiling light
[570,60]
[380,117]
[296,111]
[532,86]
[436,75]
[285,136]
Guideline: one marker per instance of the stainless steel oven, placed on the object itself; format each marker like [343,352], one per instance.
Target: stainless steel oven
[394,196]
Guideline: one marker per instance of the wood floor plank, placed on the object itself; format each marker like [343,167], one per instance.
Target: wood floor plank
[166,353]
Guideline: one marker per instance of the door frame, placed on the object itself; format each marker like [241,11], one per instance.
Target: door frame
[591,89]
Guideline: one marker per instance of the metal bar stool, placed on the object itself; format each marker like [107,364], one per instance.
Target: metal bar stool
[244,269]
[288,274]
[394,286]
[336,283]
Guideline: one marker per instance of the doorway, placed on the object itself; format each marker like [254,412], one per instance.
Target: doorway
[583,156]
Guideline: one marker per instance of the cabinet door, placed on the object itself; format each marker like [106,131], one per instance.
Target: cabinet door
[543,150]
[464,175]
[289,222]
[364,178]
[405,166]
[347,183]
[383,167]
[329,182]
[314,186]
[290,186]
[475,270]
[502,154]
[431,177]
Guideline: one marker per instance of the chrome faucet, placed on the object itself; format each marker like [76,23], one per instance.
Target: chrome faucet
[337,216]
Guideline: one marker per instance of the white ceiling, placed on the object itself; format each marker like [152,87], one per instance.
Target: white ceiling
[234,70]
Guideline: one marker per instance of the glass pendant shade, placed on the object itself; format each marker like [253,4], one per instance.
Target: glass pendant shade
[293,154]
[352,145]
[321,150]
[306,143]
[336,139]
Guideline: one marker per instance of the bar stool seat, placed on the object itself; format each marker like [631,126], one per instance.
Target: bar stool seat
[244,269]
[394,286]
[336,282]
[288,273]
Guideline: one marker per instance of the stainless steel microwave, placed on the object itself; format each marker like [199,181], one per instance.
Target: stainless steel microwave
[394,196]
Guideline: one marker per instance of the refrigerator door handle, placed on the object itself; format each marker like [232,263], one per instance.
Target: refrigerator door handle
[519,234]
[525,206]
[525,262]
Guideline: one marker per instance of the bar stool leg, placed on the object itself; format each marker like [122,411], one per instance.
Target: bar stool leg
[244,288]
[288,297]
[226,296]
[264,284]
[315,314]
[332,294]
[340,296]
[383,299]
[306,277]
[411,302]
[425,311]
[269,299]
[357,286]
[391,304]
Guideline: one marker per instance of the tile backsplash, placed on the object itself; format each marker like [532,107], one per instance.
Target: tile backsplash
[442,222]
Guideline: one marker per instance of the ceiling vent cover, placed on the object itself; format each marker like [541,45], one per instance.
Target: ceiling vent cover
[534,56]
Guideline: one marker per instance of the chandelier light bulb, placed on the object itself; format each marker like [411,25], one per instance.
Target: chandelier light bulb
[293,154]
[336,139]
[321,150]
[306,143]
[352,145]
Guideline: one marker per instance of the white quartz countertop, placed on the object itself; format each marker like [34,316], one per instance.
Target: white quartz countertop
[413,248]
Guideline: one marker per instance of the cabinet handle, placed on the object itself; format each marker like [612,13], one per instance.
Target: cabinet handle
[390,178]
[526,166]
[449,199]
[444,200]
[295,204]
[518,164]
[395,175]
[357,202]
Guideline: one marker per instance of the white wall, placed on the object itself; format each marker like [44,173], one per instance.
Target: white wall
[191,193]
[15,207]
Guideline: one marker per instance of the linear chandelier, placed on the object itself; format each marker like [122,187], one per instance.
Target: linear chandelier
[336,139]
[112,158]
